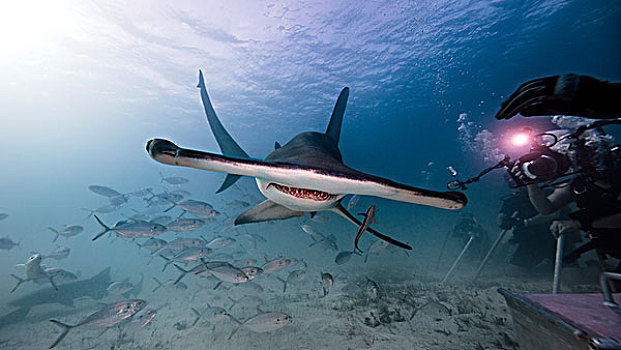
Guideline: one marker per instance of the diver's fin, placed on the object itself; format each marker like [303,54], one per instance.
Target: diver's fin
[277,145]
[266,211]
[339,209]
[334,127]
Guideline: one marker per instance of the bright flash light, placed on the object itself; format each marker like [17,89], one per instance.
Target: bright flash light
[520,139]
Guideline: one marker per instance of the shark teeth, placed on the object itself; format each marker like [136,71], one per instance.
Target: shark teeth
[303,192]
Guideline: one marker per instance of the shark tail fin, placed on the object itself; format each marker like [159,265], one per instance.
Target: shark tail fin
[66,329]
[334,127]
[19,282]
[227,144]
[105,228]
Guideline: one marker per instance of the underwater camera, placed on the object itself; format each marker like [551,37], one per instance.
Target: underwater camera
[541,163]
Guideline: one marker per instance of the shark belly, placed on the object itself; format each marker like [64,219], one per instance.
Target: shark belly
[296,198]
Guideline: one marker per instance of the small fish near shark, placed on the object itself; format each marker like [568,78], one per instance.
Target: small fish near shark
[306,174]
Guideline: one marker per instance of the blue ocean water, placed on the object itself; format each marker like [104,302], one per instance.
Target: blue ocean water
[86,83]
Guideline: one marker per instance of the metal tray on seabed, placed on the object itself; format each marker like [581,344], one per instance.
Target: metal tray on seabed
[567,321]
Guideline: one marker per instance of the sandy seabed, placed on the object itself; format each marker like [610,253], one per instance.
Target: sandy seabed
[352,316]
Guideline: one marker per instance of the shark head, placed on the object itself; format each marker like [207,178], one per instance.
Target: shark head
[306,174]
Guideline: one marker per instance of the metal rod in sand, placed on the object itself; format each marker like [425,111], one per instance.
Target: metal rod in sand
[463,251]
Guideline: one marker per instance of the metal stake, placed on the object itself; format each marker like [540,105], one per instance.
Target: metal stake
[489,253]
[463,251]
[558,264]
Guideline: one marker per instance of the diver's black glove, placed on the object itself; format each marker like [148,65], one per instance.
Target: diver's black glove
[567,94]
[507,222]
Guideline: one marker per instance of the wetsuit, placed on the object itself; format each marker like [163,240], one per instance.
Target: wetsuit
[534,242]
[468,227]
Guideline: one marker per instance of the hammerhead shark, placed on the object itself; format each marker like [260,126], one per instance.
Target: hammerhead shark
[306,174]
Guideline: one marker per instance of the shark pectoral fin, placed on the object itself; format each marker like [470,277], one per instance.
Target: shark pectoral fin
[229,180]
[266,211]
[339,209]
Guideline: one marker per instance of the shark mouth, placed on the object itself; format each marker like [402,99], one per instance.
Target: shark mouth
[303,193]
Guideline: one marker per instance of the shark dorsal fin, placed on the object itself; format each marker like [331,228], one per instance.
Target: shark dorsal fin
[277,145]
[227,144]
[334,127]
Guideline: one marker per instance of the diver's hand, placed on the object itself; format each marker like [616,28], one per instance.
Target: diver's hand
[561,227]
[567,94]
[507,222]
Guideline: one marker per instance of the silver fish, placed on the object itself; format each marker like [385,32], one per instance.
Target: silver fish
[327,281]
[251,271]
[106,209]
[314,234]
[175,180]
[369,217]
[7,244]
[343,257]
[106,317]
[294,277]
[133,229]
[263,322]
[58,254]
[67,231]
[220,242]
[187,255]
[179,244]
[228,273]
[200,209]
[169,284]
[153,244]
[141,320]
[104,191]
[120,288]
[275,265]
[185,225]
[244,262]
[328,242]
[140,193]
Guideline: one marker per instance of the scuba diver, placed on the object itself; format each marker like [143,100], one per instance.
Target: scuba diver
[469,227]
[586,154]
[530,230]
[566,94]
